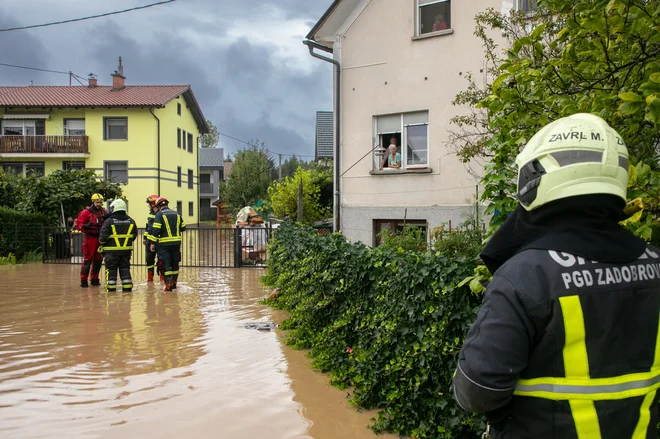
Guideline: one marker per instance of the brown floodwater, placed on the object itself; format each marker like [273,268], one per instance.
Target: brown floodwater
[82,363]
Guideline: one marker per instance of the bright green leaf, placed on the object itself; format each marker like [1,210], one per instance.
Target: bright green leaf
[630,97]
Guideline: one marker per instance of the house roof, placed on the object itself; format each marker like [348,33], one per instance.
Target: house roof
[331,21]
[101,96]
[211,158]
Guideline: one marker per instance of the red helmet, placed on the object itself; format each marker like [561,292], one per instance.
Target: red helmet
[151,199]
[160,201]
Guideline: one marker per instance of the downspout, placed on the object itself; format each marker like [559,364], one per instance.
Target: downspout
[311,45]
[151,110]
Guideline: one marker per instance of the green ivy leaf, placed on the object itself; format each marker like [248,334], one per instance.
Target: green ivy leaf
[630,97]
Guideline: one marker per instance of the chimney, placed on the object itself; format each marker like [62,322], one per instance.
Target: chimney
[93,81]
[118,78]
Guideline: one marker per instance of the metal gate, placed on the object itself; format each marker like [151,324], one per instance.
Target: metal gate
[200,247]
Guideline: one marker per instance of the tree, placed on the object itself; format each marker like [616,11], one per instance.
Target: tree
[284,195]
[592,56]
[68,190]
[212,138]
[250,176]
[290,166]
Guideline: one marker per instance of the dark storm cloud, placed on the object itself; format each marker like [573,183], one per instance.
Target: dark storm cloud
[244,60]
[22,50]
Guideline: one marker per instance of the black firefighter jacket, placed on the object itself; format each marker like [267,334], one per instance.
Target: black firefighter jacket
[565,347]
[118,233]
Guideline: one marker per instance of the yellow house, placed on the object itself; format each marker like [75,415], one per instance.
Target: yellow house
[144,137]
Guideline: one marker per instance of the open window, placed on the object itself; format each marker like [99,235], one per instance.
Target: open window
[396,226]
[409,133]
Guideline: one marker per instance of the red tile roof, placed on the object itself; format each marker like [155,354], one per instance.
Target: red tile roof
[81,96]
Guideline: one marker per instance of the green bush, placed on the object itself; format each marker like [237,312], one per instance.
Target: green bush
[20,232]
[386,322]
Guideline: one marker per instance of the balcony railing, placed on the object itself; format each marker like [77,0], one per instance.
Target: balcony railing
[206,188]
[44,144]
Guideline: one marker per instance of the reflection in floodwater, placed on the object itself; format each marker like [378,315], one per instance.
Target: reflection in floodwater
[88,364]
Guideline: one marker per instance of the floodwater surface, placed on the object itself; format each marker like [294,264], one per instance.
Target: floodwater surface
[82,363]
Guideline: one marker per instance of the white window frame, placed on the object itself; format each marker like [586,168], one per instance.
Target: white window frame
[529,10]
[403,131]
[19,123]
[418,17]
[67,129]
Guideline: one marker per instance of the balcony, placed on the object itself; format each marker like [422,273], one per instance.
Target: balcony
[30,146]
[206,188]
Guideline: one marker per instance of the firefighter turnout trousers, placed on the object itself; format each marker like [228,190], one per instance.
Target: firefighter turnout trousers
[92,259]
[118,261]
[170,255]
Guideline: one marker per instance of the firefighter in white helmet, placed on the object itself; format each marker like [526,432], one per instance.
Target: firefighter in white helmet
[567,342]
[117,236]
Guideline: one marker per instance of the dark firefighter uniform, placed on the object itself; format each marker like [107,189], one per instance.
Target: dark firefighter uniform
[567,342]
[89,221]
[150,256]
[541,361]
[166,233]
[117,236]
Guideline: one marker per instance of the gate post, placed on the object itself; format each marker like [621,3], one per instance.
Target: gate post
[238,244]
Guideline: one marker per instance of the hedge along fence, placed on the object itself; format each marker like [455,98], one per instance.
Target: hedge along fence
[387,322]
[20,232]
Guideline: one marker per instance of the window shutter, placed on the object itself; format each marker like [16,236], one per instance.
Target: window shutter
[388,124]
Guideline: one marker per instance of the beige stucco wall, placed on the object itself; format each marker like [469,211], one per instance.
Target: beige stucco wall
[384,70]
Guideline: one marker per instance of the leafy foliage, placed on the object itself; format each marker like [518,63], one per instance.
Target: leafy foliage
[210,139]
[386,321]
[70,190]
[20,232]
[250,177]
[593,56]
[284,195]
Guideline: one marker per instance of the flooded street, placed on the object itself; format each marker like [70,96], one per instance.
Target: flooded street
[88,364]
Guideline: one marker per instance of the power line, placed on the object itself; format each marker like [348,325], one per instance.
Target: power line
[267,150]
[87,17]
[33,68]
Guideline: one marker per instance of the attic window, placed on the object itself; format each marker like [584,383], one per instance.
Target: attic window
[178,108]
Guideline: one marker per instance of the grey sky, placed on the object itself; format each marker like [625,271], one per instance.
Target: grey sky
[244,58]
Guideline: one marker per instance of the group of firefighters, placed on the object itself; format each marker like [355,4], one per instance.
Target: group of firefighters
[110,234]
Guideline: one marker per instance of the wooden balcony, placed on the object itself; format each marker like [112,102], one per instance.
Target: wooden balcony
[43,145]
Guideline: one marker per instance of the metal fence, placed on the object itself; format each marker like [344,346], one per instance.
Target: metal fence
[200,247]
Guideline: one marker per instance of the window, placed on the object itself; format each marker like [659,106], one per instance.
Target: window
[190,142]
[178,137]
[178,176]
[527,6]
[191,209]
[183,139]
[74,127]
[395,226]
[68,165]
[433,16]
[179,207]
[25,169]
[19,127]
[116,172]
[115,128]
[190,179]
[409,129]
[178,108]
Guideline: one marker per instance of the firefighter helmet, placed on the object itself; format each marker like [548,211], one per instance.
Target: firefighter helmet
[161,201]
[118,205]
[576,155]
[151,199]
[97,197]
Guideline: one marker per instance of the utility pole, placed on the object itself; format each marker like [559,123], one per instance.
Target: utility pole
[279,168]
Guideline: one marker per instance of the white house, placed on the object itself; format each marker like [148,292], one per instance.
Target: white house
[398,66]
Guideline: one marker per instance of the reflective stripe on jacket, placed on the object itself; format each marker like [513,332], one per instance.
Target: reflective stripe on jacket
[150,220]
[167,227]
[118,233]
[564,347]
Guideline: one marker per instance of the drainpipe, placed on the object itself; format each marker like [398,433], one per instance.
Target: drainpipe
[151,110]
[311,45]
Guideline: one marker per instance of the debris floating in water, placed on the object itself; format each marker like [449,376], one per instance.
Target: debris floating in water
[260,326]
